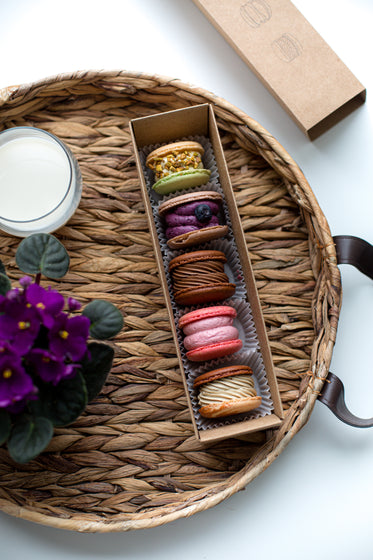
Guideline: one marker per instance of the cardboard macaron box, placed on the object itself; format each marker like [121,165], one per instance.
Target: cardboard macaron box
[205,270]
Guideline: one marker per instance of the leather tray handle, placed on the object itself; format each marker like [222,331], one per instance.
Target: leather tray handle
[359,253]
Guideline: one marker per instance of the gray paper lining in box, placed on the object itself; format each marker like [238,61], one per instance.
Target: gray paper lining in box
[251,358]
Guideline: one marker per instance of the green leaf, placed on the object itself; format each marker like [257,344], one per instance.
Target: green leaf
[96,368]
[2,268]
[106,319]
[4,284]
[42,253]
[5,425]
[29,437]
[62,403]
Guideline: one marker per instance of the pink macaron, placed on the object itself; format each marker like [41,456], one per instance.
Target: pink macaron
[210,333]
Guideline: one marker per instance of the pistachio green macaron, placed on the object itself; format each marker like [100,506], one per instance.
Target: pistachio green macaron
[178,166]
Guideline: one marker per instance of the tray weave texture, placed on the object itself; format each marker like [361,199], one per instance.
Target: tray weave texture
[131,461]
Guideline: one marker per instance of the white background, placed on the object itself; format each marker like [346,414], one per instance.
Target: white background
[316,499]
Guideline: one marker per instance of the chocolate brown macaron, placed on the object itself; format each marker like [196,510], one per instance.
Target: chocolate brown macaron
[226,391]
[199,277]
[193,218]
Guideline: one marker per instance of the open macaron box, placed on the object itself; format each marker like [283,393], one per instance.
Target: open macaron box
[198,123]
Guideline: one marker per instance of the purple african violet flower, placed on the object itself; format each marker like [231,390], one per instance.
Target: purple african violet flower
[15,385]
[19,324]
[68,337]
[73,304]
[12,295]
[47,303]
[25,281]
[50,368]
[37,340]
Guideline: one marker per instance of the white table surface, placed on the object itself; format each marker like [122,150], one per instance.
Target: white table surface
[316,499]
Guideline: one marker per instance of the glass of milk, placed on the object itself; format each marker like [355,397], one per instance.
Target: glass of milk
[40,181]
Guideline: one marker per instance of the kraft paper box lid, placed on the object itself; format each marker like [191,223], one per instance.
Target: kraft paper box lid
[291,59]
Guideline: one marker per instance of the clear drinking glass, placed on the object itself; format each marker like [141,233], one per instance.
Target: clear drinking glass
[40,181]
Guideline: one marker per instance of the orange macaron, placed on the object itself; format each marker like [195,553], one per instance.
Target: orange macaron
[226,391]
[199,277]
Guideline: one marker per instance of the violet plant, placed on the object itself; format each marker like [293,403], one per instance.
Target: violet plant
[51,366]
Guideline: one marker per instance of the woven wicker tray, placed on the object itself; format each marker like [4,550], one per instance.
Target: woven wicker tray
[131,461]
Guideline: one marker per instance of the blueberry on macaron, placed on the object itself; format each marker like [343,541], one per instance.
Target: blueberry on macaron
[193,218]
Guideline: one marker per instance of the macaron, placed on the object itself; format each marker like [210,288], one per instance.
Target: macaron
[178,166]
[210,333]
[199,277]
[192,218]
[226,391]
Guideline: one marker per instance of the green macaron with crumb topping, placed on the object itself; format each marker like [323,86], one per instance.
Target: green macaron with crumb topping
[178,166]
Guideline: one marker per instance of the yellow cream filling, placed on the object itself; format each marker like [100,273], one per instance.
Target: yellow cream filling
[226,389]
